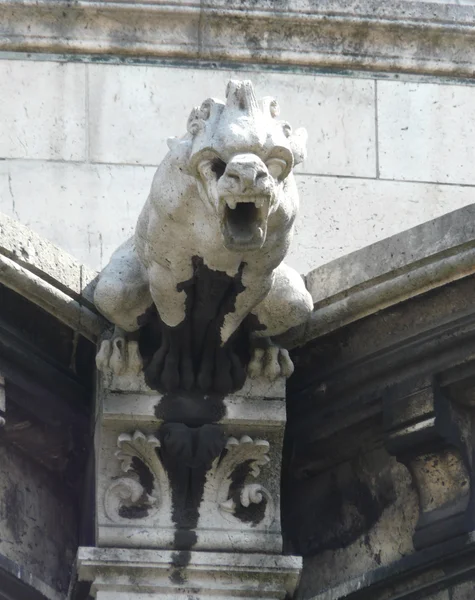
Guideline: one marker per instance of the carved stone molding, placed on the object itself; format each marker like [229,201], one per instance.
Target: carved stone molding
[431,435]
[111,573]
[411,36]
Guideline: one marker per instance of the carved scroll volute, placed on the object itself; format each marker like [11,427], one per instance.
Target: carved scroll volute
[431,435]
[233,483]
[145,489]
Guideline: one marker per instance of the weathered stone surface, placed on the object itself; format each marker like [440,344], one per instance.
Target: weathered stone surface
[48,277]
[339,113]
[233,501]
[136,574]
[79,200]
[463,591]
[125,100]
[339,216]
[426,133]
[417,260]
[57,107]
[410,36]
[37,521]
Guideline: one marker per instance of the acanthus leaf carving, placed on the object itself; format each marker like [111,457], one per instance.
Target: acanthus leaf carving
[126,498]
[235,493]
[143,492]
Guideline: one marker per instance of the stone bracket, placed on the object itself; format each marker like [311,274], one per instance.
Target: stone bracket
[167,484]
[431,436]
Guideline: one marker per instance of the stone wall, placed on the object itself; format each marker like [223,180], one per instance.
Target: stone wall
[38,523]
[80,139]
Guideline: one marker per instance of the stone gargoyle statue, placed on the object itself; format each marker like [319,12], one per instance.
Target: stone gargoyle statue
[200,290]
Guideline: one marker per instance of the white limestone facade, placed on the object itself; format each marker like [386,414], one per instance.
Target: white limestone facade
[81,136]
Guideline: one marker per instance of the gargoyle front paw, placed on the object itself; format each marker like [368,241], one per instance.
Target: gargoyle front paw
[271,362]
[119,356]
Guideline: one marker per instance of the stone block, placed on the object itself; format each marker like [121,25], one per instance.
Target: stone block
[130,574]
[43,112]
[463,591]
[132,111]
[426,131]
[37,520]
[72,204]
[338,216]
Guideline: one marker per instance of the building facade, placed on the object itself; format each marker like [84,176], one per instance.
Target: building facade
[377,457]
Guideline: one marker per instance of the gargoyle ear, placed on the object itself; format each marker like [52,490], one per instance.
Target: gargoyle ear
[298,145]
[172,142]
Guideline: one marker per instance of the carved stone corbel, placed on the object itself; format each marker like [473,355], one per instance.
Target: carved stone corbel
[198,478]
[431,435]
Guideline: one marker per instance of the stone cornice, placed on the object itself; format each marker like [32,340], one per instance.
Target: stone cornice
[48,277]
[415,37]
[388,272]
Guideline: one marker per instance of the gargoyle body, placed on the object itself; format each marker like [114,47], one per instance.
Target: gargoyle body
[203,271]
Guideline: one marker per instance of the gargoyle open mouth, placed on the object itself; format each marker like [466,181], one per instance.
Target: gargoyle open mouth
[244,221]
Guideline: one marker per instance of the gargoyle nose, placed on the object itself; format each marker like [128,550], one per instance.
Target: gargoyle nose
[245,174]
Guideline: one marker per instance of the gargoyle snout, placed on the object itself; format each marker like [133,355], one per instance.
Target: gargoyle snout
[245,173]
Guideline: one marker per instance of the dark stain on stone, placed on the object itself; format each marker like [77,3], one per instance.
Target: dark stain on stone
[192,408]
[180,560]
[144,474]
[187,453]
[190,356]
[254,513]
[351,500]
[139,509]
[13,510]
[136,511]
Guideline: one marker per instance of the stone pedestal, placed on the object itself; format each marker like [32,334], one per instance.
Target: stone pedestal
[188,494]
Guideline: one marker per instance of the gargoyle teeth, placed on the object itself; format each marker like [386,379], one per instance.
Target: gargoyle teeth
[233,201]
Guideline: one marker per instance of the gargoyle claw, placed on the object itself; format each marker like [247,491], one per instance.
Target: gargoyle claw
[271,362]
[119,356]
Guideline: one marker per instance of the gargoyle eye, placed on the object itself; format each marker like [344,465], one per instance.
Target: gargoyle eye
[218,167]
[276,166]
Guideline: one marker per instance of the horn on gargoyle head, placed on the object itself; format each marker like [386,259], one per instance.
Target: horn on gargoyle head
[240,96]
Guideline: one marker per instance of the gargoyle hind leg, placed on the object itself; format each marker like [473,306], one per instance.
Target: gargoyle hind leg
[287,305]
[122,295]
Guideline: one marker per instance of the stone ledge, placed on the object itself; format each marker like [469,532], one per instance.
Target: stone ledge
[48,277]
[142,407]
[388,272]
[417,37]
[18,581]
[259,576]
